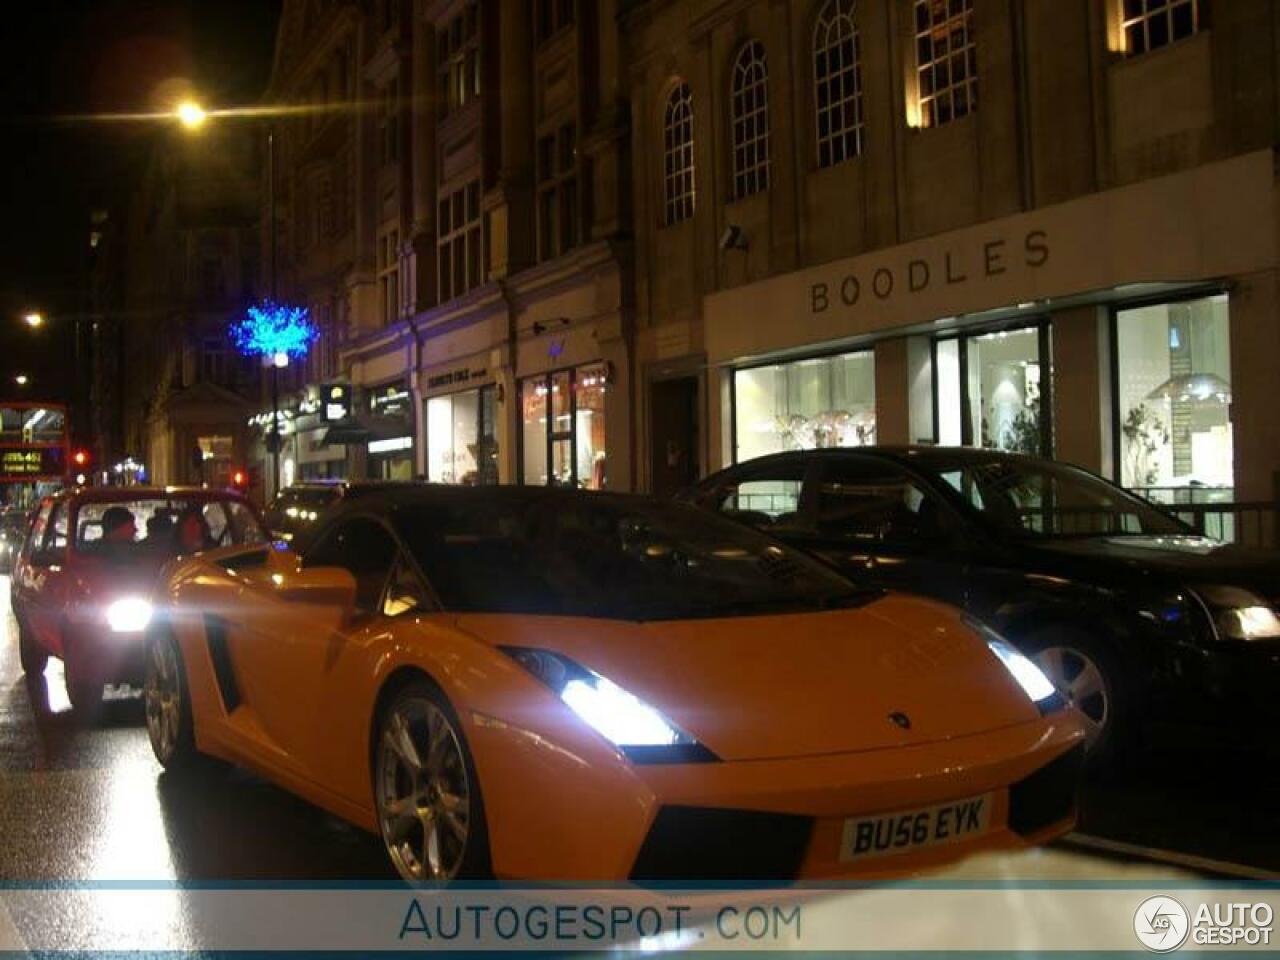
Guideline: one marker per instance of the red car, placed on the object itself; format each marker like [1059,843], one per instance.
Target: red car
[83,579]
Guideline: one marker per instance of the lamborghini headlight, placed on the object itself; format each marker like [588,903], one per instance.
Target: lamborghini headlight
[1240,614]
[640,731]
[129,615]
[1029,677]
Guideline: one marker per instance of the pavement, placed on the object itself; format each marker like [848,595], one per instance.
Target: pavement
[87,804]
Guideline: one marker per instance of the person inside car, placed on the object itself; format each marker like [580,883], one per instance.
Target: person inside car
[119,526]
[193,531]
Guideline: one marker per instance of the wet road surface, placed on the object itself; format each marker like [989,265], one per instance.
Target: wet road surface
[80,803]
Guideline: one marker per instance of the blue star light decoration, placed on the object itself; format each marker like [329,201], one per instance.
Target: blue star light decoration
[270,328]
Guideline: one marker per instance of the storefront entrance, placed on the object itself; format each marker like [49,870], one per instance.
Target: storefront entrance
[673,432]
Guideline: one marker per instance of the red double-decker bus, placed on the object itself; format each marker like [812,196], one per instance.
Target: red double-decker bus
[34,446]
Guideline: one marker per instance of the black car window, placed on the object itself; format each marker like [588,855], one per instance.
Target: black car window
[768,497]
[363,547]
[875,503]
[1035,498]
[245,530]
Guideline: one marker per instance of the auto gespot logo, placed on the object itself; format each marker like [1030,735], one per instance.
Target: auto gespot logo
[1162,924]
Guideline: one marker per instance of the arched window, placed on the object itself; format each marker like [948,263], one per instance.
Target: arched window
[677,155]
[749,100]
[837,83]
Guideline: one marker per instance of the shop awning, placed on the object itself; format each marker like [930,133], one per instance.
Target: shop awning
[362,429]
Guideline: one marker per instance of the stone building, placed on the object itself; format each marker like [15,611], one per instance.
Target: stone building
[452,196]
[626,243]
[1047,226]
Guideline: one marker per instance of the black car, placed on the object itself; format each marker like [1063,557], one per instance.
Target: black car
[1132,615]
[293,512]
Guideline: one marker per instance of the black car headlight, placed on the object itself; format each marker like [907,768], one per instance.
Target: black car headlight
[1239,613]
[640,731]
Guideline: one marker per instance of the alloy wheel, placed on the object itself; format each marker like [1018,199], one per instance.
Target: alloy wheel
[162,693]
[423,791]
[1079,679]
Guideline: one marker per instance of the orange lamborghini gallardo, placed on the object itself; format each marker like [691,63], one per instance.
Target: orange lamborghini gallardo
[554,685]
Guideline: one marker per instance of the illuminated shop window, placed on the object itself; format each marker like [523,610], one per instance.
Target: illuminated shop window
[1152,24]
[1174,402]
[946,61]
[462,442]
[749,99]
[821,402]
[563,428]
[837,77]
[992,390]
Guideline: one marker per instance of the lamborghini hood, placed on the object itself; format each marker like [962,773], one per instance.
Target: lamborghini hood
[896,672]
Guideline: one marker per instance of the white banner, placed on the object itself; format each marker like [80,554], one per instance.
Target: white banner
[912,917]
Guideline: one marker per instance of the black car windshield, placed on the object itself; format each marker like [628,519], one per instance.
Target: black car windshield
[1035,498]
[299,506]
[609,557]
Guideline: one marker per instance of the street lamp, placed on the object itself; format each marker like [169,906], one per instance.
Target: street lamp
[34,320]
[21,380]
[191,115]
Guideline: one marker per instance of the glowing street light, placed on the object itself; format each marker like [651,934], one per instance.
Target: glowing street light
[34,320]
[21,380]
[191,115]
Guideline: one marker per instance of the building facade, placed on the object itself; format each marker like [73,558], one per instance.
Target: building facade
[1042,226]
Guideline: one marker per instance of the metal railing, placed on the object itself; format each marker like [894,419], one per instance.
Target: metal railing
[1213,512]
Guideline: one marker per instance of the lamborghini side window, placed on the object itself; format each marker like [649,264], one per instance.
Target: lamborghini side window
[364,548]
[405,592]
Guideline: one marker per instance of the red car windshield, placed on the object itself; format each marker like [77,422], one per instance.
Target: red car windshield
[122,529]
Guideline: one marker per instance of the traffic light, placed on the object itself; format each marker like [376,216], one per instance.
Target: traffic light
[239,479]
[81,458]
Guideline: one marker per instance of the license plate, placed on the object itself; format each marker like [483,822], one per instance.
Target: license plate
[890,833]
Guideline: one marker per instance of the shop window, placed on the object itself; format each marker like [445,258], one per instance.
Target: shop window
[1152,24]
[1174,399]
[822,402]
[837,83]
[677,155]
[462,442]
[946,61]
[563,428]
[557,192]
[458,60]
[459,266]
[1004,380]
[749,99]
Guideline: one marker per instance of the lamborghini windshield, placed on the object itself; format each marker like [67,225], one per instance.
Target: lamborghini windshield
[612,557]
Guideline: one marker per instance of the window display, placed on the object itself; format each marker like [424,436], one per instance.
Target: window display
[1005,381]
[572,437]
[1174,403]
[821,402]
[462,445]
